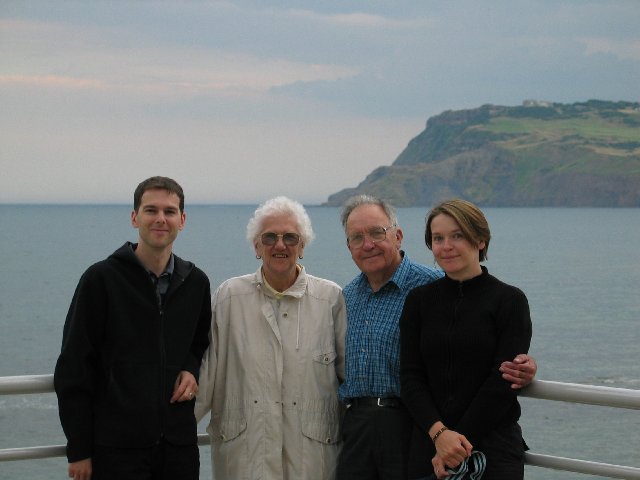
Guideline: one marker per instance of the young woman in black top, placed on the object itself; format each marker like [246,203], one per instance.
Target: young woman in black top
[455,333]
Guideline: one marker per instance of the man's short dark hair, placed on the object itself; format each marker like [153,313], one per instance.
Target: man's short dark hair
[163,183]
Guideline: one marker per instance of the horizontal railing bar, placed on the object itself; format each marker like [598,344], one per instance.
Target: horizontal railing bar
[53,451]
[541,389]
[26,384]
[581,466]
[587,394]
[32,453]
[531,459]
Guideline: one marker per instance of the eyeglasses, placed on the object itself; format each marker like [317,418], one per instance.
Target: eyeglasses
[289,239]
[376,234]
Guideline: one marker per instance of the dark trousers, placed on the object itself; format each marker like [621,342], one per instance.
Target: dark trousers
[160,462]
[375,444]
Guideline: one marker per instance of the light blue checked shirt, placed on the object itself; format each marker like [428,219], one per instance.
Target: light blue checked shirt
[372,355]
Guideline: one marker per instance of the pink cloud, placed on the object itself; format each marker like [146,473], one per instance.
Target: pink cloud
[51,81]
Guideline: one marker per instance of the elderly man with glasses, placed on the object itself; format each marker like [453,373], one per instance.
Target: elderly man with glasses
[376,427]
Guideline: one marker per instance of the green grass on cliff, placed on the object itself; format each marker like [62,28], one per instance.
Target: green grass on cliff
[591,128]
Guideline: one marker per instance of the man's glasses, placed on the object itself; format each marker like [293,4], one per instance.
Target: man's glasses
[289,239]
[376,234]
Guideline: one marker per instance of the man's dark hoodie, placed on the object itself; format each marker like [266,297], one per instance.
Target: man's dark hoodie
[122,351]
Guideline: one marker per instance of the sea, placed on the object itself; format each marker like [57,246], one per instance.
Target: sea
[579,267]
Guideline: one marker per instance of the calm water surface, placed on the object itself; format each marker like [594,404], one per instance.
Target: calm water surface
[580,269]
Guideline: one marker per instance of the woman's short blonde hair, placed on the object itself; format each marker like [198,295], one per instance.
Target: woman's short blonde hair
[469,217]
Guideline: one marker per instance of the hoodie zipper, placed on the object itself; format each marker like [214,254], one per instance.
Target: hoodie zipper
[163,361]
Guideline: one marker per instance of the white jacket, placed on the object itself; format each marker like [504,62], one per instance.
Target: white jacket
[270,379]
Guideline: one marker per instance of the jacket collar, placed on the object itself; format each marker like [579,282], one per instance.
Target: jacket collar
[296,290]
[181,268]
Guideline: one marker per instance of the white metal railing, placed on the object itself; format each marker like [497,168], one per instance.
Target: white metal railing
[587,394]
[541,389]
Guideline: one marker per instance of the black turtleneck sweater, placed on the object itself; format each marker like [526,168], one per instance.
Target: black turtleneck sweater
[454,336]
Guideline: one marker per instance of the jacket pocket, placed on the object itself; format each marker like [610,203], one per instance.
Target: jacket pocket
[322,426]
[230,426]
[325,358]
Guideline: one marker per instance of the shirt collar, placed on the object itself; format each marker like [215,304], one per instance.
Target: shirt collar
[399,279]
[296,290]
[401,276]
[168,270]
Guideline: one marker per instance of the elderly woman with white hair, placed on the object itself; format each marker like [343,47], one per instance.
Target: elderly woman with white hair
[276,358]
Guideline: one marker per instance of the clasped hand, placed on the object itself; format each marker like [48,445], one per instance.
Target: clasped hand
[451,449]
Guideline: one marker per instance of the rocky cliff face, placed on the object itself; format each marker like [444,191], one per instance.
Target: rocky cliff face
[582,154]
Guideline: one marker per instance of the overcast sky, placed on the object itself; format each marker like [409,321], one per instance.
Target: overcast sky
[244,100]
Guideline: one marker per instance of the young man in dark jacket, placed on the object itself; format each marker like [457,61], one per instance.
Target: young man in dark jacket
[133,340]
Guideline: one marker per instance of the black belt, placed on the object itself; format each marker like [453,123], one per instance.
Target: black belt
[392,402]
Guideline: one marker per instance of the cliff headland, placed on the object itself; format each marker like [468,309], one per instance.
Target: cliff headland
[536,154]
